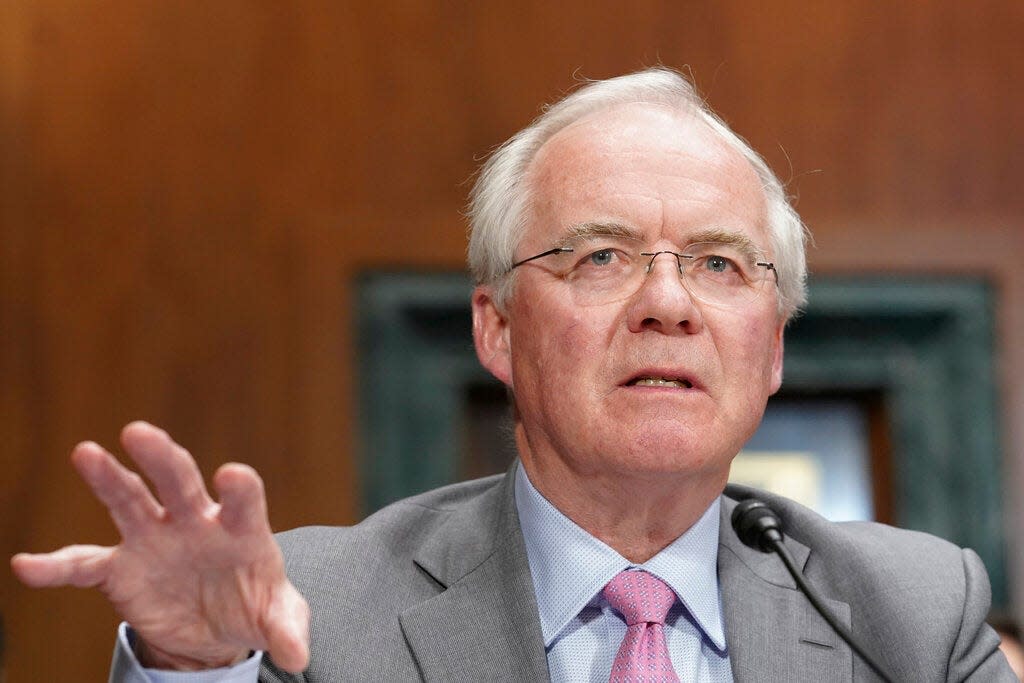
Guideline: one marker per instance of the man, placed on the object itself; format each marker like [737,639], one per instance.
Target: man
[636,265]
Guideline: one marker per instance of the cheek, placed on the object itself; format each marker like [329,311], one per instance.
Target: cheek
[768,342]
[588,338]
[545,350]
[748,352]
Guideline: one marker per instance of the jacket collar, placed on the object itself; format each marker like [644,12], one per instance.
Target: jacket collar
[484,624]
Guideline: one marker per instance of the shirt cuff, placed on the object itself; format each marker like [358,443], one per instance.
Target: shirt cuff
[125,667]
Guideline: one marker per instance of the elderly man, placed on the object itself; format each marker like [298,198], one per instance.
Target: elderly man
[636,266]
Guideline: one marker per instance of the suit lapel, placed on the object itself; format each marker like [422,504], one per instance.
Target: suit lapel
[484,624]
[772,630]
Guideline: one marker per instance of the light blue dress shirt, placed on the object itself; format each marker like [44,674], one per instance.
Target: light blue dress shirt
[582,632]
[247,671]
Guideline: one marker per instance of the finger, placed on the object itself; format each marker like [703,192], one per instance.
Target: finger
[126,496]
[288,631]
[171,468]
[76,565]
[243,502]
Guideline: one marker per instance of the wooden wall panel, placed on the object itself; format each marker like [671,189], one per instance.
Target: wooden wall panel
[187,191]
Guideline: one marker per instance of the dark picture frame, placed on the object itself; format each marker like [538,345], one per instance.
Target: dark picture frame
[921,349]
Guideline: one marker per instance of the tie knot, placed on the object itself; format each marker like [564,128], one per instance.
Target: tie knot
[640,597]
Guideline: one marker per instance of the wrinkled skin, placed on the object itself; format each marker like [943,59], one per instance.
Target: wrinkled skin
[201,582]
[634,465]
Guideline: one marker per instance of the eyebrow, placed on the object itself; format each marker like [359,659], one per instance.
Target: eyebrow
[592,229]
[599,229]
[740,241]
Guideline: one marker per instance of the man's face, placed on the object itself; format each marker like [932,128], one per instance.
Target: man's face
[578,371]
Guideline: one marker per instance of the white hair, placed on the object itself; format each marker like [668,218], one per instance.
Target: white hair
[500,197]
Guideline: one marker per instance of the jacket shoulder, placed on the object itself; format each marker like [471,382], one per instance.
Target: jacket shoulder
[910,593]
[861,550]
[359,579]
[397,529]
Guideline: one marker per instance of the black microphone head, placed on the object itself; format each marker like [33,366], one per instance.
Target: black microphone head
[756,524]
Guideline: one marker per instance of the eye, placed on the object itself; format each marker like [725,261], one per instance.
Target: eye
[602,257]
[719,264]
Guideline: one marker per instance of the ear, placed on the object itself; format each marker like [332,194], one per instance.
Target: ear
[491,334]
[777,360]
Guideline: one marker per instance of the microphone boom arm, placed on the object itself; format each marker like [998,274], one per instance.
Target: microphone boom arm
[759,527]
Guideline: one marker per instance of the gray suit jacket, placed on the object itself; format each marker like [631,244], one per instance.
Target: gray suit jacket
[438,588]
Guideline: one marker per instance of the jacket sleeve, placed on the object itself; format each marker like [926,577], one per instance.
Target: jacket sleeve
[125,667]
[976,655]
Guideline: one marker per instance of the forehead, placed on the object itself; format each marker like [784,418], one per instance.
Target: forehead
[662,172]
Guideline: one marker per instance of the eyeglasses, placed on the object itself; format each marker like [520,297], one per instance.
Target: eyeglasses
[602,270]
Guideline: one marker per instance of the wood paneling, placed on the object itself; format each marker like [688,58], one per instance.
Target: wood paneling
[188,189]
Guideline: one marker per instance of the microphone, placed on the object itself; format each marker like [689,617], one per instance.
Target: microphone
[760,528]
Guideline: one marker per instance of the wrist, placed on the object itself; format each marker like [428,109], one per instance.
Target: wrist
[152,657]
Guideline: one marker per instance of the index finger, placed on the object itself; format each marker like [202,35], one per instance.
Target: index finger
[126,497]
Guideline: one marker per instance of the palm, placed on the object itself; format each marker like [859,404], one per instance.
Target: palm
[201,582]
[194,587]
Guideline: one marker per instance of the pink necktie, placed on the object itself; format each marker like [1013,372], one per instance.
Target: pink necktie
[643,600]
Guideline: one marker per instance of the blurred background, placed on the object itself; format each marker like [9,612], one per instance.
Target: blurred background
[191,193]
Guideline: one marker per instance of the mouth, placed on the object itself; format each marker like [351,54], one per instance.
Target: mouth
[660,382]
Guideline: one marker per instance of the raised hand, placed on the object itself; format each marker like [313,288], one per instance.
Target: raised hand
[201,582]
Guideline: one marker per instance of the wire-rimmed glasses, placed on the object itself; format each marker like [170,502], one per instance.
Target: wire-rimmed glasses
[604,269]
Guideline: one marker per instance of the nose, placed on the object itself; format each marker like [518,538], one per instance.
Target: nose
[663,303]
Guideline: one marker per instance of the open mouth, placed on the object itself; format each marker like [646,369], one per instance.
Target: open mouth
[661,382]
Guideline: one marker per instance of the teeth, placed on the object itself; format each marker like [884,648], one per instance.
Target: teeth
[660,382]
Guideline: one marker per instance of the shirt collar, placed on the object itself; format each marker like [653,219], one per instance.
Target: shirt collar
[569,566]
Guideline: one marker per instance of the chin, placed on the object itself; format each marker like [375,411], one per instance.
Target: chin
[676,456]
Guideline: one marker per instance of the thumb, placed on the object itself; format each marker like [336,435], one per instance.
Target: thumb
[287,631]
[74,565]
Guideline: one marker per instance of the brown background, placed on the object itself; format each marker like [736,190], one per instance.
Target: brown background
[188,189]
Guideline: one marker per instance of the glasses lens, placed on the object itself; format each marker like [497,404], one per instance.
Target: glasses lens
[602,270]
[723,273]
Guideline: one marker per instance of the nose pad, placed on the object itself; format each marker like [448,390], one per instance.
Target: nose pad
[678,268]
[656,254]
[662,303]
